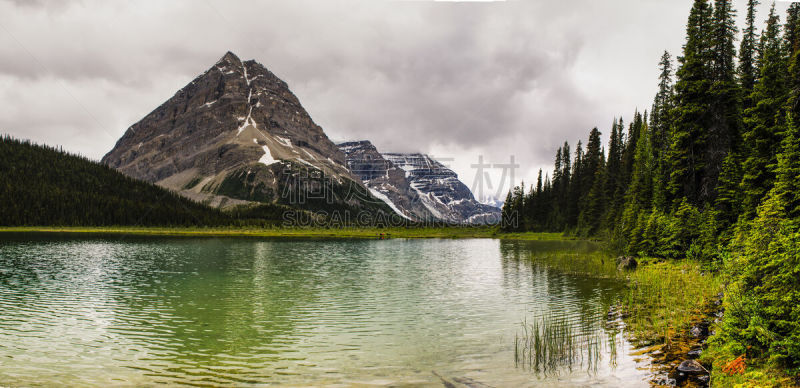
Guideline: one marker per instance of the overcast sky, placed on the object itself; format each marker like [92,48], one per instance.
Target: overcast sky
[456,80]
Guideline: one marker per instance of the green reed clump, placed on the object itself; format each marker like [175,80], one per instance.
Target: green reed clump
[547,344]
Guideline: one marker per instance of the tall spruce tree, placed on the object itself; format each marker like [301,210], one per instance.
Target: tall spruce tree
[660,122]
[614,173]
[508,222]
[662,104]
[566,168]
[563,190]
[629,151]
[787,185]
[725,105]
[765,120]
[638,198]
[593,201]
[593,159]
[748,71]
[575,187]
[557,170]
[791,34]
[640,192]
[793,53]
[691,118]
[539,182]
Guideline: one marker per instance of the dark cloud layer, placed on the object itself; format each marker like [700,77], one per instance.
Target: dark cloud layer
[453,79]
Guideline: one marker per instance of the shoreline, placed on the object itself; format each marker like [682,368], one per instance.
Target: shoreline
[340,233]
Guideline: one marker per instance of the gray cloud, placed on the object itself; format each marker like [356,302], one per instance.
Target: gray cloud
[454,79]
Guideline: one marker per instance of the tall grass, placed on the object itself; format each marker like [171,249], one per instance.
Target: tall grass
[547,344]
[663,298]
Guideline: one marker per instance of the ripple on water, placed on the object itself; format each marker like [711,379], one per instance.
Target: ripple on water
[98,312]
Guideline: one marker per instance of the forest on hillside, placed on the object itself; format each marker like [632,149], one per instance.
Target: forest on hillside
[711,172]
[44,186]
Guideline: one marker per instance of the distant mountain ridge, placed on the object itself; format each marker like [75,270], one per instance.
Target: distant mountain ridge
[418,186]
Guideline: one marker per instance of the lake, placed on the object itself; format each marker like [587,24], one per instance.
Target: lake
[105,311]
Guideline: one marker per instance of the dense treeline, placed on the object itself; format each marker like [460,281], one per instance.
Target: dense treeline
[40,185]
[712,173]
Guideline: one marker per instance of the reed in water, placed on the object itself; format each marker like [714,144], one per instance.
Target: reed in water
[547,344]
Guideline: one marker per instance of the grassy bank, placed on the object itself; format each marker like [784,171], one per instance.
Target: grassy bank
[662,298]
[364,233]
[665,297]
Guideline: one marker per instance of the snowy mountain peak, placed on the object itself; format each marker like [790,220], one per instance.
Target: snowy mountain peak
[419,186]
[227,137]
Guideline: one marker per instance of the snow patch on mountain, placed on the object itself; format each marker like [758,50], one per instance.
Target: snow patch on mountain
[384,198]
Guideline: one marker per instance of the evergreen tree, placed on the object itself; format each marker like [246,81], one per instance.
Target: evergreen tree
[590,219]
[662,104]
[537,213]
[517,206]
[787,185]
[659,130]
[613,172]
[562,170]
[556,202]
[593,161]
[748,72]
[729,202]
[629,152]
[688,139]
[793,53]
[557,170]
[638,196]
[724,108]
[640,193]
[575,188]
[764,121]
[566,165]
[792,33]
[509,221]
[539,182]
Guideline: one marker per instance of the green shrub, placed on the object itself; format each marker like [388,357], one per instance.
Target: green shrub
[763,298]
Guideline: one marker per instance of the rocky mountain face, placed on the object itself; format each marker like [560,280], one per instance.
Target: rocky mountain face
[440,190]
[416,185]
[236,134]
[385,180]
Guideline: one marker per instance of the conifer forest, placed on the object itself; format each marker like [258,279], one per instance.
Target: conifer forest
[710,172]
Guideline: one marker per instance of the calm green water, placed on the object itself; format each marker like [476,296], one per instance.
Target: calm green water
[139,312]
